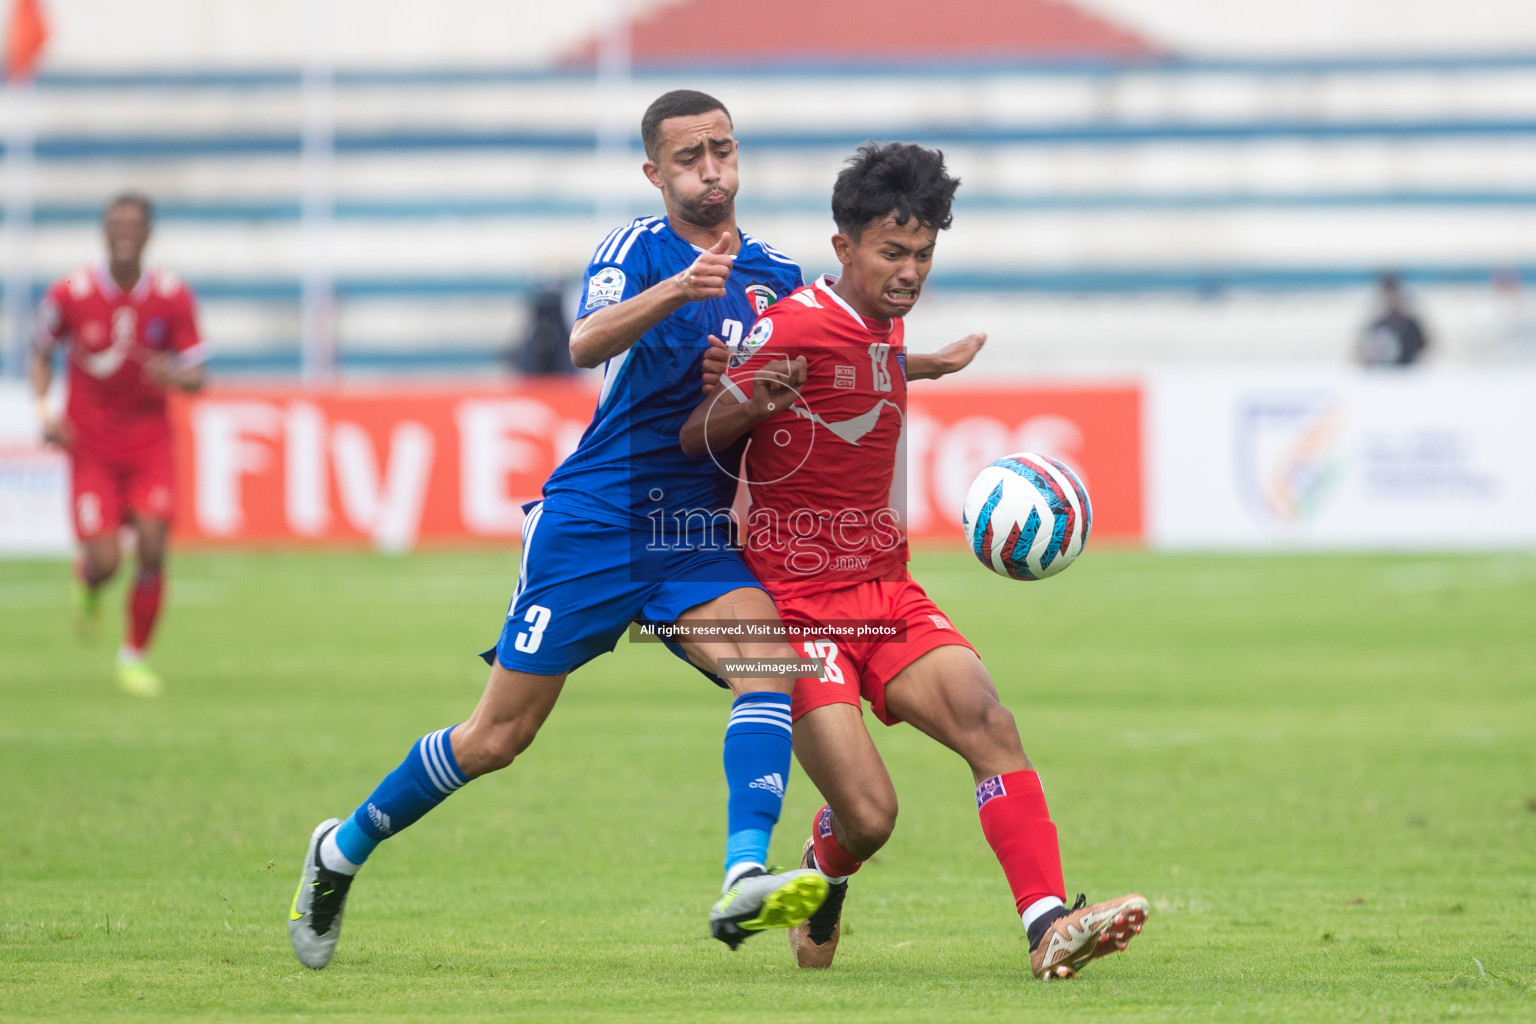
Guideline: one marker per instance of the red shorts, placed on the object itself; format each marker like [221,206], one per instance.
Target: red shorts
[105,489]
[862,668]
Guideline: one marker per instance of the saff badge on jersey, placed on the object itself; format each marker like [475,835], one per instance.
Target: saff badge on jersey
[755,339]
[605,288]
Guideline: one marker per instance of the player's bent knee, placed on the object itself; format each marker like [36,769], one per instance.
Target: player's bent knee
[867,825]
[151,545]
[102,566]
[1000,725]
[873,828]
[994,746]
[986,734]
[492,748]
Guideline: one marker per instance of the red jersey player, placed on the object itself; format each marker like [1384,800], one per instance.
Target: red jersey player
[130,334]
[820,384]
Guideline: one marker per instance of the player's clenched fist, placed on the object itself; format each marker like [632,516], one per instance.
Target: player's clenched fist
[705,277]
[717,358]
[776,386]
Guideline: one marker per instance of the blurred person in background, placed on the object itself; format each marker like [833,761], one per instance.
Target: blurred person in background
[545,347]
[1395,337]
[130,336]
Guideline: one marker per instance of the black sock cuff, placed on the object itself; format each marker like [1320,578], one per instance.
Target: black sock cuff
[1041,923]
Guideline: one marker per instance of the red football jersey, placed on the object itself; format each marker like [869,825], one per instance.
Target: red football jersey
[113,407]
[819,474]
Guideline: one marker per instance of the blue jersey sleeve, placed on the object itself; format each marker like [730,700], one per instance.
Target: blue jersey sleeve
[622,267]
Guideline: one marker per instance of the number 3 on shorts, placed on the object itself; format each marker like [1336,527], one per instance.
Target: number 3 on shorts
[537,618]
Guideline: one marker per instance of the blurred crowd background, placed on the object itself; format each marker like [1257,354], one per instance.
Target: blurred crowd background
[403,187]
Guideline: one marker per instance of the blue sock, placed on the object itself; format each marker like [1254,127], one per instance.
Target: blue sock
[423,780]
[757,751]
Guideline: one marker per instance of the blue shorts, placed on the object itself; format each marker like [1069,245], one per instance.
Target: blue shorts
[582,583]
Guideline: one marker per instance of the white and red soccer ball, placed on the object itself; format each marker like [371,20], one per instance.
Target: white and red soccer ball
[1027,516]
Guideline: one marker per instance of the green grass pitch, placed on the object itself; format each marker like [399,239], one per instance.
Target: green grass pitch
[1321,770]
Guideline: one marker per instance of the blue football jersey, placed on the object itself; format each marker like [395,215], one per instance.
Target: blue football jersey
[628,466]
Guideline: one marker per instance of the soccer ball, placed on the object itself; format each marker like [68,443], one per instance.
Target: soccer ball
[1027,516]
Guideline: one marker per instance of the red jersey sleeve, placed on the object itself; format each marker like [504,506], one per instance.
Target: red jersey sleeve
[184,339]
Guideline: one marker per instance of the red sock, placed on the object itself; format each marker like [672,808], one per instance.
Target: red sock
[143,608]
[1019,829]
[831,858]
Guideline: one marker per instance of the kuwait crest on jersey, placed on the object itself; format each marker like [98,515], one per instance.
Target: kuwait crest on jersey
[761,295]
[747,348]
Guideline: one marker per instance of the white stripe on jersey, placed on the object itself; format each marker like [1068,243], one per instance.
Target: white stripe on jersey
[604,244]
[607,255]
[611,370]
[823,285]
[770,251]
[623,252]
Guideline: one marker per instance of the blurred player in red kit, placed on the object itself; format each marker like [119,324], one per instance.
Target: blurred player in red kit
[820,385]
[130,335]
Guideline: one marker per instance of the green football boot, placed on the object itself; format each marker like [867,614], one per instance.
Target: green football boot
[759,900]
[84,606]
[136,677]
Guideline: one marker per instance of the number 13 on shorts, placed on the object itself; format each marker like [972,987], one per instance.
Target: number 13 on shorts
[827,651]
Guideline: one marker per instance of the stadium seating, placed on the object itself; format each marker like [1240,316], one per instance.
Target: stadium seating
[1113,216]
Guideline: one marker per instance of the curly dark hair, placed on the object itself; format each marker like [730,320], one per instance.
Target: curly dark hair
[677,103]
[895,178]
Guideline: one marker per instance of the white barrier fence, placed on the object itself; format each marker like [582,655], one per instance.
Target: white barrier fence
[34,481]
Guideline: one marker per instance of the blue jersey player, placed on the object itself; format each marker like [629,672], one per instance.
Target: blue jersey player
[630,529]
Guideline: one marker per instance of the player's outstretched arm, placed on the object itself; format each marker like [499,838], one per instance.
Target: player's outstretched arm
[40,372]
[723,416]
[600,336]
[952,358]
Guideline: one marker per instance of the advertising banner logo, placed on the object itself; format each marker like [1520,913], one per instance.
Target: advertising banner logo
[1426,459]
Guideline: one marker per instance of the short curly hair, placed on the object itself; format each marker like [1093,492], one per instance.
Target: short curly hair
[895,178]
